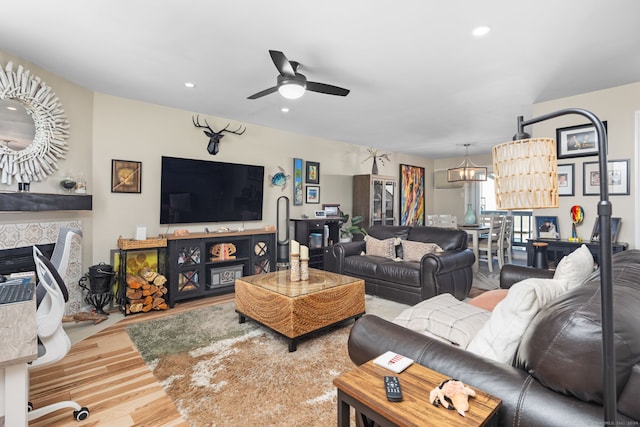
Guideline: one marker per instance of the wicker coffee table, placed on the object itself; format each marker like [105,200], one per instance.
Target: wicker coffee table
[296,309]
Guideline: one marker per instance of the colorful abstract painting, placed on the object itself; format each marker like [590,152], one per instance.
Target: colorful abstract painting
[298,191]
[411,195]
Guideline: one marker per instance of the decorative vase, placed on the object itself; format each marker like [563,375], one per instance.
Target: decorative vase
[470,216]
[374,168]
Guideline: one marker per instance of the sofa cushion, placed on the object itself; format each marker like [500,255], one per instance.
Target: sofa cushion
[488,300]
[447,239]
[575,267]
[385,248]
[414,251]
[499,337]
[403,272]
[362,266]
[445,317]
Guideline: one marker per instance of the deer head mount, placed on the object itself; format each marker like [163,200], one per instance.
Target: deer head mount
[215,137]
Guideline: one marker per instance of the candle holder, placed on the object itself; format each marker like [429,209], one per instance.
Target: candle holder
[295,267]
[304,269]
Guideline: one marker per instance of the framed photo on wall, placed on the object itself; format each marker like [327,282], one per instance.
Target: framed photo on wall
[618,179]
[615,229]
[566,185]
[547,227]
[298,189]
[411,195]
[577,141]
[313,173]
[126,176]
[313,194]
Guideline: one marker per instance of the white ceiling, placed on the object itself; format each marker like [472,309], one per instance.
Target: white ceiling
[420,82]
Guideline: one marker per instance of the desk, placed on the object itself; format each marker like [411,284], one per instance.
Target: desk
[475,231]
[558,248]
[363,389]
[19,347]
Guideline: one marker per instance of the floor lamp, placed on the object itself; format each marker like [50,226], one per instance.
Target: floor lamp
[526,177]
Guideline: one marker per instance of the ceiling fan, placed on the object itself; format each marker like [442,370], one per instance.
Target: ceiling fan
[292,84]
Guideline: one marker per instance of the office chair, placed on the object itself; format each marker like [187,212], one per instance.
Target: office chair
[61,255]
[53,342]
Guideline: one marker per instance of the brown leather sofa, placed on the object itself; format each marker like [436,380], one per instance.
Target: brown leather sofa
[408,282]
[556,376]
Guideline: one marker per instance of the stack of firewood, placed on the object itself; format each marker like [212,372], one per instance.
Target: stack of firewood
[145,292]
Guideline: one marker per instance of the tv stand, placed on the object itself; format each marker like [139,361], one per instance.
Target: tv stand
[207,264]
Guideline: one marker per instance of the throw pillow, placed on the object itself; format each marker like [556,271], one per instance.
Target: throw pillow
[575,267]
[445,317]
[414,251]
[488,300]
[499,337]
[384,248]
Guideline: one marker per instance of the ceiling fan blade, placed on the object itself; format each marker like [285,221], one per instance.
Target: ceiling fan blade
[282,63]
[263,93]
[328,89]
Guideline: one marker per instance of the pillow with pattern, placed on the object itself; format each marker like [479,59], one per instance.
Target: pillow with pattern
[384,248]
[414,251]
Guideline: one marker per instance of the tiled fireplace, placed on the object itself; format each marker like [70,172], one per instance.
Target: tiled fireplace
[41,233]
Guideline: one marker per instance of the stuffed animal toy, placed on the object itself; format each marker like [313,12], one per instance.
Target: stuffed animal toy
[452,394]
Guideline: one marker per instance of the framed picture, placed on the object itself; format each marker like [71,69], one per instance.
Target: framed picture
[615,228]
[411,195]
[547,227]
[298,189]
[566,185]
[618,179]
[126,176]
[313,194]
[313,173]
[577,141]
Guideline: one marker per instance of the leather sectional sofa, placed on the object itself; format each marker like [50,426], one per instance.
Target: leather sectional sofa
[408,282]
[556,376]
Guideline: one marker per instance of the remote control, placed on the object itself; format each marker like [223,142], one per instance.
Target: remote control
[392,387]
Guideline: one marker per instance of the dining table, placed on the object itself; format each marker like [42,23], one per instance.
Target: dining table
[475,231]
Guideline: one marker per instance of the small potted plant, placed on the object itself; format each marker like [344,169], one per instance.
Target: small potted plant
[348,231]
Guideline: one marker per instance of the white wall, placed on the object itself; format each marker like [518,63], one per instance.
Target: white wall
[131,130]
[617,106]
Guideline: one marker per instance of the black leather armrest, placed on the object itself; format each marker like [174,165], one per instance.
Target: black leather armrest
[448,261]
[511,274]
[334,255]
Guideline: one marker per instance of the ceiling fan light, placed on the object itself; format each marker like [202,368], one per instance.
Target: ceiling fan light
[291,90]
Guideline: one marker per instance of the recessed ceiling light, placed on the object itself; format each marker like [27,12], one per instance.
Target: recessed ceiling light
[12,109]
[190,85]
[481,31]
[284,109]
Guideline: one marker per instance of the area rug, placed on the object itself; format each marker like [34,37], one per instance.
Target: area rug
[223,373]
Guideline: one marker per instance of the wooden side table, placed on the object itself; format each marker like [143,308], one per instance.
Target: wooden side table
[363,389]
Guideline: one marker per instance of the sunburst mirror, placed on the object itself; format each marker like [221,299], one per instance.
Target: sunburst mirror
[42,116]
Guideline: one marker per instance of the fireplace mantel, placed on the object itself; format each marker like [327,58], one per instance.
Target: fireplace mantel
[26,201]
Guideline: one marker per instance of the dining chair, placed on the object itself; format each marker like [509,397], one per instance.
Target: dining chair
[504,244]
[488,244]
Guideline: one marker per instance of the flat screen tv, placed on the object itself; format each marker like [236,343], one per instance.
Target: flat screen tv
[197,191]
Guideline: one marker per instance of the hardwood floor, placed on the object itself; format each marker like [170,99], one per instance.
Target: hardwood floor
[106,374]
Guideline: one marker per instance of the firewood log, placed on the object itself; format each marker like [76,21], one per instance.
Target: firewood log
[134,281]
[160,280]
[147,274]
[134,293]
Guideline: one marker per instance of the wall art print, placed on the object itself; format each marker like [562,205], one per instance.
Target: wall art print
[298,189]
[126,176]
[412,204]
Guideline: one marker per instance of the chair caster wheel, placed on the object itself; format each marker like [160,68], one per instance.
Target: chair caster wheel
[81,414]
[29,406]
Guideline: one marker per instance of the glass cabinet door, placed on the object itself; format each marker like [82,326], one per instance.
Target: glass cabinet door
[377,204]
[389,202]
